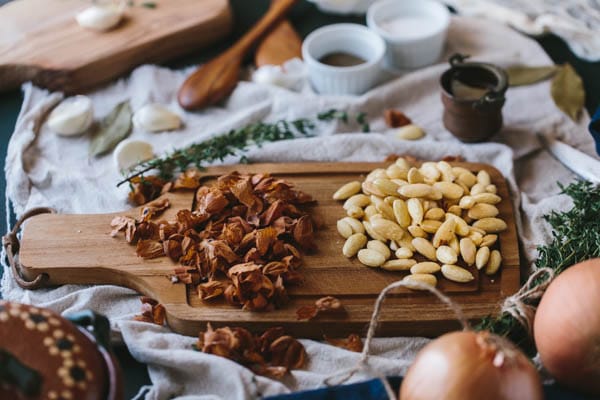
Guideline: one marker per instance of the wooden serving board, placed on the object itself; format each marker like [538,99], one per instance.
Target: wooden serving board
[41,41]
[79,249]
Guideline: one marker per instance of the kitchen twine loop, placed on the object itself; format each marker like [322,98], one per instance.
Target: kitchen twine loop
[517,304]
[11,246]
[363,363]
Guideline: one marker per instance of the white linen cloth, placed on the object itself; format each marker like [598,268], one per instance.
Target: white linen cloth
[43,169]
[575,21]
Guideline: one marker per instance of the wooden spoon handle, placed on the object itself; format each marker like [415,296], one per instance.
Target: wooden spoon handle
[281,44]
[215,80]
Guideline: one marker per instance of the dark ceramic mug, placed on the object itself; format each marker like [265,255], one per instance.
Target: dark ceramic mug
[473,118]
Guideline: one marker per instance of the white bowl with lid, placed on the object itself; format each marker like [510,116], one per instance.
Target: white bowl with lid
[414,30]
[350,39]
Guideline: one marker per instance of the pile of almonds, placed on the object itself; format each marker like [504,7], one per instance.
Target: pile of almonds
[437,211]
[240,241]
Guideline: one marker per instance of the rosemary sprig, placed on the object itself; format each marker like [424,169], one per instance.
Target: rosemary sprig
[575,238]
[235,142]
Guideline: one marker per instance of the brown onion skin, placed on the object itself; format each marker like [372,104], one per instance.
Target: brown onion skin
[567,327]
[456,367]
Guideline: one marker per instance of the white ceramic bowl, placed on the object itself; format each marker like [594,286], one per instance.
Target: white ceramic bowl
[418,36]
[343,7]
[353,39]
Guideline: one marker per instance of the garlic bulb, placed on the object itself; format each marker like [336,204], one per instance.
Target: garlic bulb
[100,17]
[290,75]
[131,152]
[156,118]
[72,116]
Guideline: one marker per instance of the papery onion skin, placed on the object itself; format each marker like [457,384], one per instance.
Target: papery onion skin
[567,327]
[457,367]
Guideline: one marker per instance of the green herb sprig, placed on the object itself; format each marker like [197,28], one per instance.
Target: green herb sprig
[575,238]
[234,142]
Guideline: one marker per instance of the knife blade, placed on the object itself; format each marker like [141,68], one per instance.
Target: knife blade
[575,160]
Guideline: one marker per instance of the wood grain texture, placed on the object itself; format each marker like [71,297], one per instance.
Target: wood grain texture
[41,41]
[79,249]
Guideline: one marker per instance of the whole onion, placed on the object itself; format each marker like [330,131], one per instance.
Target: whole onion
[471,365]
[567,327]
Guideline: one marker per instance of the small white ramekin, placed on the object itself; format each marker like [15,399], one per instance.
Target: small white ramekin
[354,39]
[343,7]
[417,50]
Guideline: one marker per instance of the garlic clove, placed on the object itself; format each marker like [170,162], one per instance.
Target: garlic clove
[131,152]
[72,116]
[410,132]
[290,75]
[156,118]
[100,17]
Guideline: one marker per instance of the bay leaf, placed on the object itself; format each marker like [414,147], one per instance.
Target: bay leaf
[113,128]
[520,75]
[567,91]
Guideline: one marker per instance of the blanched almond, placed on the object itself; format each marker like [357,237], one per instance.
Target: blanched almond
[425,248]
[467,202]
[425,267]
[376,173]
[401,213]
[355,212]
[483,210]
[427,279]
[467,178]
[368,187]
[371,258]
[446,255]
[456,273]
[344,229]
[435,214]
[357,226]
[415,209]
[445,233]
[404,253]
[493,263]
[384,208]
[482,257]
[489,240]
[430,225]
[379,247]
[386,186]
[414,176]
[399,264]
[430,171]
[489,198]
[468,250]
[484,178]
[370,211]
[490,225]
[357,200]
[477,188]
[387,229]
[417,231]
[353,244]
[449,190]
[491,189]
[346,191]
[396,172]
[416,190]
[372,234]
[402,163]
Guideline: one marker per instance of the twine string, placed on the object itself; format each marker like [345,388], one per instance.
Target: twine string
[518,305]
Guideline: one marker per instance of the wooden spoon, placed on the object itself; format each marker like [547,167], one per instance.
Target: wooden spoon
[282,44]
[214,80]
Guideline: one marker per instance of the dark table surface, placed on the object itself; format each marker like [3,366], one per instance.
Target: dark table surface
[305,17]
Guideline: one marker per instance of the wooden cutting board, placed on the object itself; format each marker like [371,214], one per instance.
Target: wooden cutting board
[79,249]
[41,41]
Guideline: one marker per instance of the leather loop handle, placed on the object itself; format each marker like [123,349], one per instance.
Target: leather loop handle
[11,245]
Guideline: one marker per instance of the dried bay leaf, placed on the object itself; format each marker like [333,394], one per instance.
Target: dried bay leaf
[113,128]
[520,75]
[567,91]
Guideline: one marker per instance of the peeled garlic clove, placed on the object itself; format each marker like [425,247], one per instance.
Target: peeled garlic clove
[131,152]
[156,118]
[72,116]
[100,18]
[410,132]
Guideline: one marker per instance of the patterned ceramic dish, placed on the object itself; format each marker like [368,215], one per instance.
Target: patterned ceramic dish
[45,356]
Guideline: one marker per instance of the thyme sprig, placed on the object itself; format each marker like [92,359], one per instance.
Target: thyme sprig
[236,142]
[575,238]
